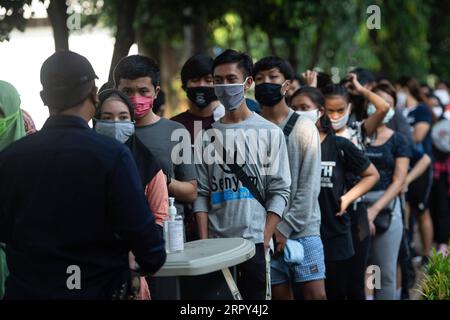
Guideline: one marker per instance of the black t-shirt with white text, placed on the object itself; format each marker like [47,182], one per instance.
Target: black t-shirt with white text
[339,156]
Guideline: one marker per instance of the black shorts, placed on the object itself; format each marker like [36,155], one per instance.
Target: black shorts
[253,279]
[419,191]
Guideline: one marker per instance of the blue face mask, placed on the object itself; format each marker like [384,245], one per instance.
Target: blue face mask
[371,110]
[119,130]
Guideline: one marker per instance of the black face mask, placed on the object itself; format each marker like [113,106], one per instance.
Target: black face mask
[201,96]
[268,94]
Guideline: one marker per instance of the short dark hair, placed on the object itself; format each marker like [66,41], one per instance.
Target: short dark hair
[197,66]
[159,101]
[106,86]
[387,88]
[271,62]
[244,62]
[323,80]
[413,86]
[109,93]
[444,82]
[364,75]
[332,90]
[137,66]
[300,80]
[312,93]
[318,99]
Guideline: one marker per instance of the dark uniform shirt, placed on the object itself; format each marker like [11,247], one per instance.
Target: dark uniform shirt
[339,156]
[72,199]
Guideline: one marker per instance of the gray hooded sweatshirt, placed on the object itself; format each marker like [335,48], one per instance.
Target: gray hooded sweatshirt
[232,210]
[302,215]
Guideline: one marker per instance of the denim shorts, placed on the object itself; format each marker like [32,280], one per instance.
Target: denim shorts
[311,268]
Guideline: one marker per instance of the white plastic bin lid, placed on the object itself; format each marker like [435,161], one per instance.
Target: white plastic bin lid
[206,256]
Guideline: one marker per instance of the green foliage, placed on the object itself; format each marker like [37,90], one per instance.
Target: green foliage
[436,284]
[12,17]
[413,38]
[439,38]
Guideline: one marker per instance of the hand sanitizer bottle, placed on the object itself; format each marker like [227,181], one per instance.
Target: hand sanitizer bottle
[174,229]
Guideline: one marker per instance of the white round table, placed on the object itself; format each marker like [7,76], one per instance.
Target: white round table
[206,256]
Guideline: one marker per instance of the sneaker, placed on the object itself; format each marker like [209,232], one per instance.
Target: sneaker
[424,261]
[413,251]
[416,260]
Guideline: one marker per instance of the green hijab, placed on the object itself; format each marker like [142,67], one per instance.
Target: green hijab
[12,127]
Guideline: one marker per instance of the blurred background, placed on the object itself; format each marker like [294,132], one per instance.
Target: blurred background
[412,37]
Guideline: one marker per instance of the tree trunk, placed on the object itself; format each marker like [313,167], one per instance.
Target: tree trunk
[57,14]
[273,50]
[188,32]
[125,35]
[317,46]
[245,37]
[200,29]
[170,68]
[292,53]
[377,48]
[151,50]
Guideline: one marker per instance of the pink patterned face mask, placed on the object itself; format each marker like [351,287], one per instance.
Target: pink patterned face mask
[142,105]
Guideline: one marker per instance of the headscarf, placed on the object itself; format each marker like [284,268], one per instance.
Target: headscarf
[12,127]
[108,93]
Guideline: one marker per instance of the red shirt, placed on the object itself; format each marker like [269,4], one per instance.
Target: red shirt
[188,120]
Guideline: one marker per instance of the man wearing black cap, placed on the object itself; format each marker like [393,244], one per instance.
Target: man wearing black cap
[72,205]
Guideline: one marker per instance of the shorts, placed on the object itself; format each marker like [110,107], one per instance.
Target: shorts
[311,268]
[419,191]
[253,277]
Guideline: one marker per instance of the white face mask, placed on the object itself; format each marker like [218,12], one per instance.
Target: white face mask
[437,110]
[447,115]
[371,110]
[442,94]
[313,115]
[340,123]
[401,99]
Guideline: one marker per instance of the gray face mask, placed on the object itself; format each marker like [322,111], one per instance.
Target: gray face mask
[230,95]
[119,130]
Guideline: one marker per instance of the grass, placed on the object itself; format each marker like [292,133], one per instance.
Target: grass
[436,282]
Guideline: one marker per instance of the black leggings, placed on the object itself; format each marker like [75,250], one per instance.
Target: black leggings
[337,277]
[440,209]
[361,244]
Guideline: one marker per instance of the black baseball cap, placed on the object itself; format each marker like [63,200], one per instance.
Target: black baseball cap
[66,79]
